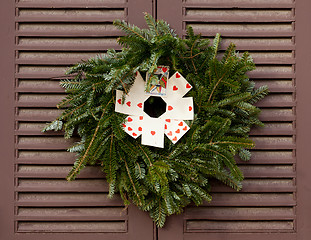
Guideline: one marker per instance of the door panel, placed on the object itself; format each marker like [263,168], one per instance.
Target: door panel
[267,202]
[49,37]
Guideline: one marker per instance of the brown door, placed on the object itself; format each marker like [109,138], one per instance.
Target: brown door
[273,203]
[40,38]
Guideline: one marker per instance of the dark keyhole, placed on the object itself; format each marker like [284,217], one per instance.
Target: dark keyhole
[154,106]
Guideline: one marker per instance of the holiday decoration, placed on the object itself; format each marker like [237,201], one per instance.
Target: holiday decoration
[206,109]
[169,122]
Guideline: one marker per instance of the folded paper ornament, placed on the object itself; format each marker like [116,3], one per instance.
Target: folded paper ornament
[154,112]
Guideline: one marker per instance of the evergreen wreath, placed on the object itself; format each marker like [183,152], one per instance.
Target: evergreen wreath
[162,181]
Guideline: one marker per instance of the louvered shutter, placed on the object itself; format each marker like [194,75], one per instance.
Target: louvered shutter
[267,201]
[50,36]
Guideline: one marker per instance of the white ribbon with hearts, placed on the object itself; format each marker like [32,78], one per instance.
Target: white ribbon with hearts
[169,123]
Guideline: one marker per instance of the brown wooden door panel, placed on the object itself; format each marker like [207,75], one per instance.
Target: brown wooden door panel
[50,36]
[266,206]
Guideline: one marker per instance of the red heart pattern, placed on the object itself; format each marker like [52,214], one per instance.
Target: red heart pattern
[174,129]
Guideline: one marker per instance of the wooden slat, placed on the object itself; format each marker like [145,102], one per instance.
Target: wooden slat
[57,19]
[70,33]
[239,226]
[72,226]
[70,5]
[79,218]
[67,199]
[259,186]
[252,200]
[247,5]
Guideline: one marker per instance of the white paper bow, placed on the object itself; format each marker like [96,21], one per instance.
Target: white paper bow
[169,123]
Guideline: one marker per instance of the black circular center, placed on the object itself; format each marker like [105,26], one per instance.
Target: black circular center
[154,106]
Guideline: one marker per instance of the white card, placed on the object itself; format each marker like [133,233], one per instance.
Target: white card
[175,129]
[177,86]
[133,126]
[179,109]
[133,105]
[153,132]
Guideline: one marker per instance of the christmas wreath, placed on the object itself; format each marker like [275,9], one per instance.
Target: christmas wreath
[161,178]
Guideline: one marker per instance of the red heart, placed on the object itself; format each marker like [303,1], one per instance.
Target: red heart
[140,105]
[164,69]
[175,138]
[168,120]
[170,133]
[140,129]
[136,73]
[177,131]
[153,132]
[141,117]
[129,119]
[177,75]
[123,125]
[128,103]
[170,108]
[180,124]
[175,88]
[185,128]
[134,134]
[190,108]
[129,128]
[188,85]
[165,126]
[119,101]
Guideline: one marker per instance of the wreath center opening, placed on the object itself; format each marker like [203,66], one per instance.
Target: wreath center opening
[154,106]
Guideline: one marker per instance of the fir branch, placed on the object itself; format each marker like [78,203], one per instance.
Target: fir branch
[81,160]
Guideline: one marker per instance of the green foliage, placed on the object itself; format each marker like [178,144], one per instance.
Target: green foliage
[162,181]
